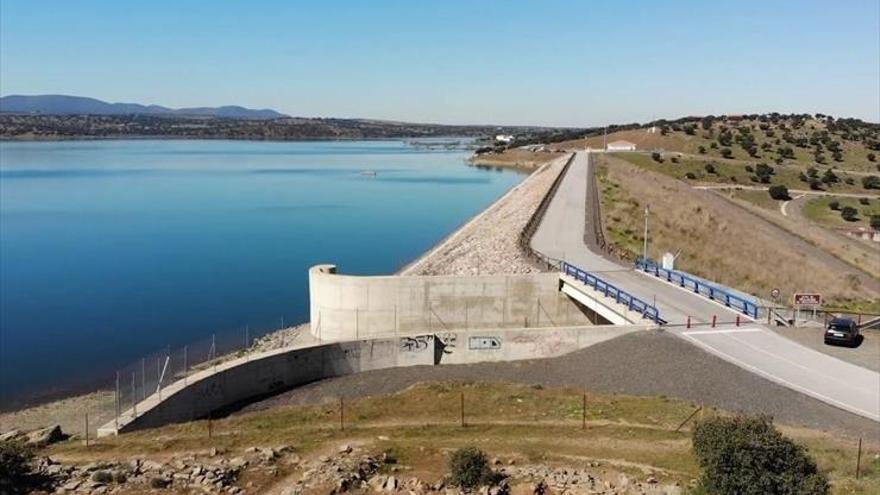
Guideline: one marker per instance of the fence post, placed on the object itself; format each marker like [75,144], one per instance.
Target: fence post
[859,460]
[584,413]
[184,365]
[87,428]
[461,409]
[116,419]
[133,397]
[714,317]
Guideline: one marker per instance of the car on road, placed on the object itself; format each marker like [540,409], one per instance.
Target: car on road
[842,331]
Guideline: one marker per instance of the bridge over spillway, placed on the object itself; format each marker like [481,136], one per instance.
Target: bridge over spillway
[720,322]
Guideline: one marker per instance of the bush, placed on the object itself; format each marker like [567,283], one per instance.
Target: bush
[849,214]
[834,205]
[871,157]
[16,473]
[702,150]
[657,157]
[779,192]
[690,175]
[469,467]
[674,159]
[864,201]
[749,456]
[710,168]
[871,182]
[816,185]
[726,153]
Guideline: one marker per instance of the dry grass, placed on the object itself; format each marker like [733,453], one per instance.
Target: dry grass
[632,435]
[720,242]
[516,158]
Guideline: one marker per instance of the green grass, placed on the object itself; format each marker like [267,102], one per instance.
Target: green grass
[819,211]
[758,198]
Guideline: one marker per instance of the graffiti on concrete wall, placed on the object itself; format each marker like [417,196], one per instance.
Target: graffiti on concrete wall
[446,341]
[484,343]
[417,343]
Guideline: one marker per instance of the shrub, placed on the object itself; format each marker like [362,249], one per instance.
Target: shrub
[710,168]
[816,184]
[674,159]
[779,192]
[850,181]
[864,201]
[690,175]
[871,157]
[849,214]
[871,182]
[749,456]
[834,205]
[750,168]
[16,473]
[469,467]
[702,150]
[829,177]
[657,157]
[726,153]
[102,477]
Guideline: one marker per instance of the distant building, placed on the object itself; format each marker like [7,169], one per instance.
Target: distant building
[621,146]
[504,138]
[863,233]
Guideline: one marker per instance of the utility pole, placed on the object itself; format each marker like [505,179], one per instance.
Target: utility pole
[645,247]
[605,139]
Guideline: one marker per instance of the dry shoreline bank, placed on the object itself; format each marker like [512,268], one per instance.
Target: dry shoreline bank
[485,244]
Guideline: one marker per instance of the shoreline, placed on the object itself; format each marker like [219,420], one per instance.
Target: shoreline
[68,410]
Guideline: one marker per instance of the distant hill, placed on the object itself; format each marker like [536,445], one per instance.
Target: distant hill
[78,105]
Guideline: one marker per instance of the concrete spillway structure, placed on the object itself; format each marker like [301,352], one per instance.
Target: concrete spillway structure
[345,307]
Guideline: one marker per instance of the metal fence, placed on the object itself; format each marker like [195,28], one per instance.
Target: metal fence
[148,375]
[620,296]
[525,237]
[713,292]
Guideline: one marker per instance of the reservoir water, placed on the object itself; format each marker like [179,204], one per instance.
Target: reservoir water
[113,249]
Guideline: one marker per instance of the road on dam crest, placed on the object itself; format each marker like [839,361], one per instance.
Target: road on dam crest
[752,346]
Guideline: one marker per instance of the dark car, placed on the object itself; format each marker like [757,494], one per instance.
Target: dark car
[842,331]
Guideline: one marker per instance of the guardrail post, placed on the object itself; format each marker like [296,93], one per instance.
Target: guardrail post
[689,321]
[737,320]
[713,321]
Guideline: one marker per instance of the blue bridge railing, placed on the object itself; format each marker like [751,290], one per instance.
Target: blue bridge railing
[700,287]
[632,302]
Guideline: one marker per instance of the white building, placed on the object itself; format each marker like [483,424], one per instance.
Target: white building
[504,138]
[621,146]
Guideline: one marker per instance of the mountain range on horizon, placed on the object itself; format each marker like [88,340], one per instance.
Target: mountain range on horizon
[80,105]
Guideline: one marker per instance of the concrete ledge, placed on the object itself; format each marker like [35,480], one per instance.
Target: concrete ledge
[269,372]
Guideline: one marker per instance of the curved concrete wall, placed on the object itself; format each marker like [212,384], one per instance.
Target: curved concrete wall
[345,307]
[272,371]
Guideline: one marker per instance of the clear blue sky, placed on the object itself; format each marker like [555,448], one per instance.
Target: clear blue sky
[572,63]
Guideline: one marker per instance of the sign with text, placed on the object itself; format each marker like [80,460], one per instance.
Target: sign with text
[808,299]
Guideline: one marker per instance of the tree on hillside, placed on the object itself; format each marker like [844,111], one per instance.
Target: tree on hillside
[779,192]
[849,214]
[702,150]
[871,182]
[710,168]
[829,177]
[726,153]
[871,157]
[749,456]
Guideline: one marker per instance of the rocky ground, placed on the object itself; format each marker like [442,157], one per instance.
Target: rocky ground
[347,469]
[488,244]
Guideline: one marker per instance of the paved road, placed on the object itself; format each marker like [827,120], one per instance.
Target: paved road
[752,346]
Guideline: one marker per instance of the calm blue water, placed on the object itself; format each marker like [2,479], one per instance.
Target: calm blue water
[112,249]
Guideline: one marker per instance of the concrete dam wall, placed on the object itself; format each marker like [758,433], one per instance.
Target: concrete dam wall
[345,307]
[263,374]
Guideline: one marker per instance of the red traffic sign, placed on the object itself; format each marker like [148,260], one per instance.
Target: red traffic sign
[808,299]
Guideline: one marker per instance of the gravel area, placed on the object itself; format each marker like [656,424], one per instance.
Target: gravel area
[644,363]
[488,244]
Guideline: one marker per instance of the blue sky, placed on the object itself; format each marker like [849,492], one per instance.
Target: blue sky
[569,63]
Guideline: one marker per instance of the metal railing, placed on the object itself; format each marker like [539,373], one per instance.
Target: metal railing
[633,303]
[712,292]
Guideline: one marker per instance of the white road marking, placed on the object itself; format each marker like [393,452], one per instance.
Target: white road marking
[709,332]
[782,381]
